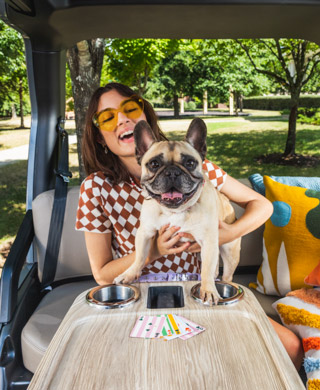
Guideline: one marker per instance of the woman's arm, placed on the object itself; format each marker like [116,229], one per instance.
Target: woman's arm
[105,268]
[257,210]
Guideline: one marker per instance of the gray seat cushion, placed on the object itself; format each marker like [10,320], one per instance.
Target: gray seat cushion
[44,322]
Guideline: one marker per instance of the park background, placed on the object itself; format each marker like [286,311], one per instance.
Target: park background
[259,98]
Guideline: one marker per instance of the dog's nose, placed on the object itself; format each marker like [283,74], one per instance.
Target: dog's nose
[173,172]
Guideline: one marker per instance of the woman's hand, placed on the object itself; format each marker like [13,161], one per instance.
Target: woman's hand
[225,235]
[194,246]
[166,242]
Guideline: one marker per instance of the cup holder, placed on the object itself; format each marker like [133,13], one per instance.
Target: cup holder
[229,293]
[113,296]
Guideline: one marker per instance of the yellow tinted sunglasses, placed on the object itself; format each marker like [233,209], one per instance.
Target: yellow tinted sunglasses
[106,120]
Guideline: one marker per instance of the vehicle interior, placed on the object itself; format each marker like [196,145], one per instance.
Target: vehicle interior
[31,310]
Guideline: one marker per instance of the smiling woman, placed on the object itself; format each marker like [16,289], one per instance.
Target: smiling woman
[109,145]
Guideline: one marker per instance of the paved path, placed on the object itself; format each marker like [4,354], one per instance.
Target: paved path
[12,155]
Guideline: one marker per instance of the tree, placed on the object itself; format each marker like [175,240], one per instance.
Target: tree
[199,67]
[292,63]
[173,74]
[85,63]
[220,67]
[13,74]
[132,61]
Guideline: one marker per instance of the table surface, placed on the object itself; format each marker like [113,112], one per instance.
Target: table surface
[238,350]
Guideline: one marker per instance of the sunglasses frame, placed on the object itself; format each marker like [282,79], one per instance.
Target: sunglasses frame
[135,98]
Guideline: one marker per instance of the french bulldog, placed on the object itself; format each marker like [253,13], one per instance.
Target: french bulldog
[177,191]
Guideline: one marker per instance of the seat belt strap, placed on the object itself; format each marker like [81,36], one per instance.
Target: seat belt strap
[58,209]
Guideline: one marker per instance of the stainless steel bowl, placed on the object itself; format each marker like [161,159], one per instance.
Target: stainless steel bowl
[229,293]
[113,296]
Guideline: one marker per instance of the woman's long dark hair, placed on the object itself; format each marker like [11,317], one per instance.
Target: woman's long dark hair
[93,152]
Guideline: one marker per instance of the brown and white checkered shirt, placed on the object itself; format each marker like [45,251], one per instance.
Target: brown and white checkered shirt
[107,208]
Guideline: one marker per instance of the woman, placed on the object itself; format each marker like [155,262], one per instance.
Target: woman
[110,200]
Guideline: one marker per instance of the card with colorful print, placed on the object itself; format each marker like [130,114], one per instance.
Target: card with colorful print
[166,326]
[193,328]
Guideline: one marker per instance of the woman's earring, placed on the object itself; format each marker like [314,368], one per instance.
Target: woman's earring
[105,149]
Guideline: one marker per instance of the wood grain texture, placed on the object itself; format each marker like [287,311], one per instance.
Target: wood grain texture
[238,350]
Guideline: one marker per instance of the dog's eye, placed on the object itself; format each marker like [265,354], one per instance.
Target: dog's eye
[154,165]
[190,164]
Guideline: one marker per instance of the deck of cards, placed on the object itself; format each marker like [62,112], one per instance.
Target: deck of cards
[165,326]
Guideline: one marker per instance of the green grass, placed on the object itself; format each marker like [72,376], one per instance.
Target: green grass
[11,138]
[12,199]
[231,144]
[234,147]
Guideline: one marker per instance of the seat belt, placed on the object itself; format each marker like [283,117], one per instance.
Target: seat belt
[58,209]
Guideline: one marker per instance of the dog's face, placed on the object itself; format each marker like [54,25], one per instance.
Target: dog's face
[171,171]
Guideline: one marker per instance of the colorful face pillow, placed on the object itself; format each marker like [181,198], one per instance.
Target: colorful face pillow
[291,240]
[300,312]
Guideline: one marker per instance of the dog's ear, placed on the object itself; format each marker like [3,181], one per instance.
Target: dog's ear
[143,138]
[197,135]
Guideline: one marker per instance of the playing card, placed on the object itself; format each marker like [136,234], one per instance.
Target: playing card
[144,326]
[166,326]
[195,328]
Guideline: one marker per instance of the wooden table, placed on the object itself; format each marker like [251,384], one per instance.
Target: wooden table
[238,350]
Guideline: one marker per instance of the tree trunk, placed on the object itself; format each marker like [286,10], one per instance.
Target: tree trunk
[85,63]
[241,102]
[21,105]
[231,103]
[13,111]
[290,149]
[205,102]
[176,106]
[182,105]
[236,100]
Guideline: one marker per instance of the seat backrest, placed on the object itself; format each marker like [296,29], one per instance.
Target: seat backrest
[73,258]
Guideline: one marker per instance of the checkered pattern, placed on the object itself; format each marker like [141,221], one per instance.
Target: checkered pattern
[107,208]
[216,175]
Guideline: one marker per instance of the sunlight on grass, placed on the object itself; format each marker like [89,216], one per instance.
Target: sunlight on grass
[234,148]
[13,180]
[13,138]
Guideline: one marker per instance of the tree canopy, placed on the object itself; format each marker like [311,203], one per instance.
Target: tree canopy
[132,61]
[13,74]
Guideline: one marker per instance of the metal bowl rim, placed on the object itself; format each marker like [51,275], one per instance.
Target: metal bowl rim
[112,305]
[223,301]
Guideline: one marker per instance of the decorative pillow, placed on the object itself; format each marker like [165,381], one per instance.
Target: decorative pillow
[300,312]
[313,279]
[313,183]
[291,239]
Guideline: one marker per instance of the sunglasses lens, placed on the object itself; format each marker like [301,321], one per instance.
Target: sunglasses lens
[107,120]
[133,108]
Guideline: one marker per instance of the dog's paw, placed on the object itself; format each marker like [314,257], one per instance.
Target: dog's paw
[209,294]
[127,277]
